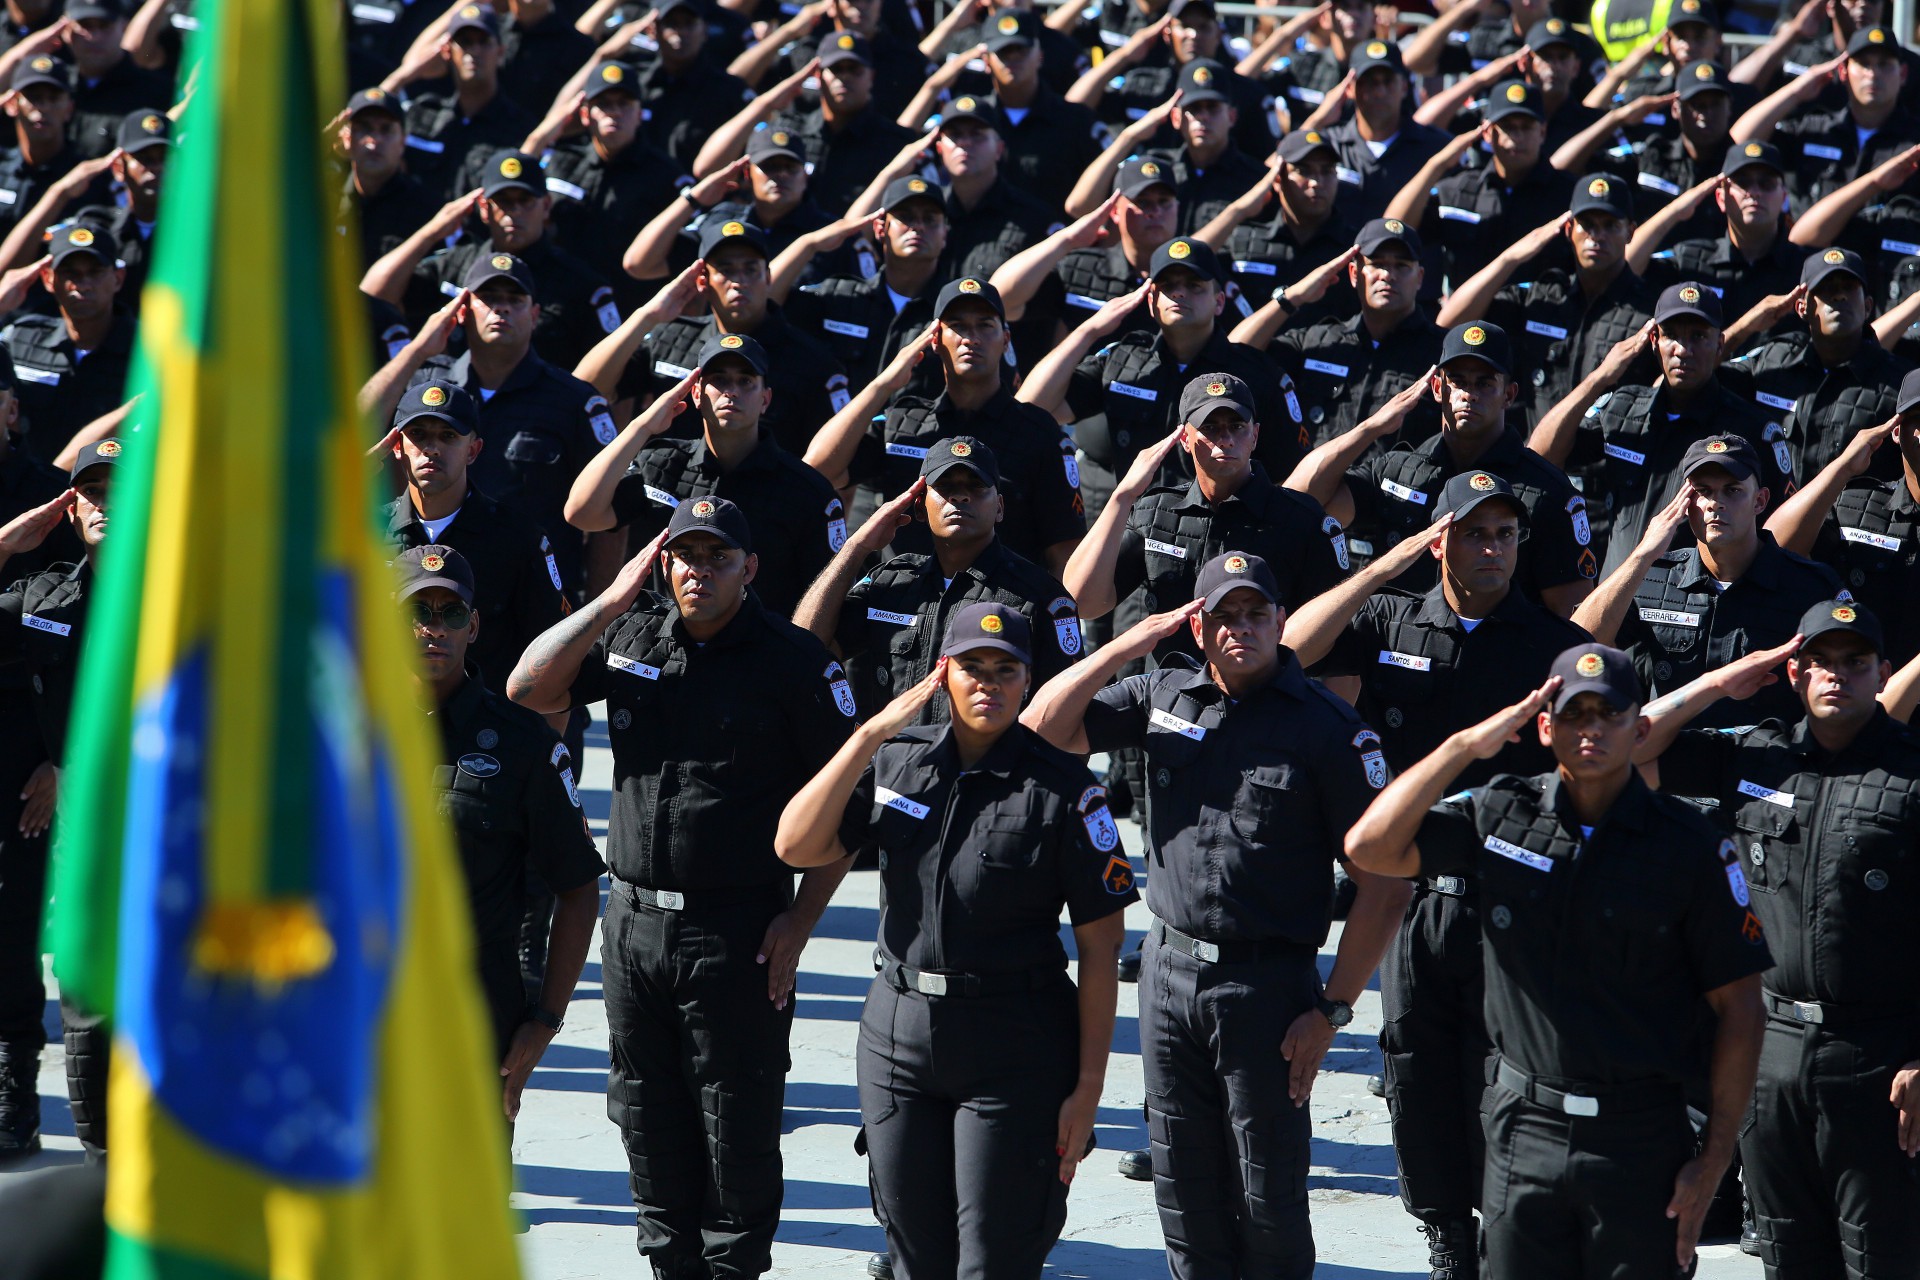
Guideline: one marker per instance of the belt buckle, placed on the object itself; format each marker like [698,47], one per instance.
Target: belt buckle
[1452,886]
[1207,951]
[1579,1104]
[930,984]
[1808,1011]
[668,900]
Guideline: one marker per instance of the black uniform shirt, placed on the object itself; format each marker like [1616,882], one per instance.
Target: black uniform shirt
[1682,624]
[1714,262]
[1205,192]
[1302,78]
[1004,221]
[61,390]
[1472,216]
[577,306]
[808,383]
[1639,439]
[802,218]
[1559,336]
[507,782]
[976,864]
[446,149]
[795,515]
[1173,530]
[683,111]
[1424,675]
[1883,234]
[1083,280]
[1395,492]
[42,623]
[1050,144]
[388,217]
[1824,152]
[893,621]
[710,741]
[1267,254]
[1487,40]
[22,183]
[1368,182]
[1818,409]
[1598,948]
[842,163]
[538,60]
[135,239]
[516,579]
[1249,798]
[1662,170]
[1871,538]
[541,427]
[1135,93]
[857,321]
[1828,845]
[599,205]
[1343,375]
[99,105]
[1038,477]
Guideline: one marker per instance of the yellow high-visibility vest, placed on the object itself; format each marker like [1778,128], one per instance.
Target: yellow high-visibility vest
[1621,26]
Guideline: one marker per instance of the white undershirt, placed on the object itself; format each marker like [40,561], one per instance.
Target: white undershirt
[1380,148]
[435,528]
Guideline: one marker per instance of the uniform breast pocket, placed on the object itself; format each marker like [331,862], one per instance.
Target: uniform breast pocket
[532,453]
[1270,788]
[1007,842]
[1766,834]
[1170,748]
[1880,887]
[1635,932]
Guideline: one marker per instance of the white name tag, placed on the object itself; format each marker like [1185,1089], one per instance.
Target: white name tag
[620,662]
[905,451]
[1659,184]
[897,619]
[1759,792]
[1773,402]
[1250,268]
[1822,151]
[894,800]
[48,625]
[374,13]
[1453,213]
[1626,455]
[1406,661]
[1128,389]
[1168,720]
[1082,300]
[1546,330]
[1670,617]
[1158,548]
[1360,546]
[661,496]
[844,329]
[1900,246]
[426,144]
[666,370]
[1332,370]
[47,377]
[562,187]
[1514,851]
[8,195]
[1869,538]
[1403,493]
[1352,177]
[1301,93]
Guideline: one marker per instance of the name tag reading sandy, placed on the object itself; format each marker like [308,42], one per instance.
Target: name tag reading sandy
[1768,794]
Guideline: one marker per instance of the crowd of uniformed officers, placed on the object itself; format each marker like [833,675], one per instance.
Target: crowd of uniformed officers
[1455,476]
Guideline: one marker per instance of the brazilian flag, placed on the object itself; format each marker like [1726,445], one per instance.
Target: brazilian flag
[251,880]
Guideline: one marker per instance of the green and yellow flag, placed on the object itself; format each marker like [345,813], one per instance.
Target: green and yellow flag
[252,882]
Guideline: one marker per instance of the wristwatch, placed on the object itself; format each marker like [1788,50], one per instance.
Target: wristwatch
[1338,1012]
[551,1021]
[1287,305]
[686,193]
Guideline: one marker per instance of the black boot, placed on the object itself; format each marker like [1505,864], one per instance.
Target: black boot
[1749,1234]
[1453,1248]
[1137,1165]
[880,1266]
[19,1104]
[1130,962]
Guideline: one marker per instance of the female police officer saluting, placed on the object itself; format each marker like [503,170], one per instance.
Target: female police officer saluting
[978,1082]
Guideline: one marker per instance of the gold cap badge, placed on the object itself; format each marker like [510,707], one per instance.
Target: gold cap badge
[1236,564]
[1716,446]
[1203,75]
[1149,170]
[703,508]
[1598,187]
[844,42]
[1474,336]
[108,448]
[510,167]
[1377,49]
[1179,249]
[433,397]
[613,73]
[733,229]
[1752,149]
[501,262]
[960,449]
[1833,257]
[1689,294]
[80,237]
[433,562]
[969,285]
[1516,93]
[1703,72]
[992,625]
[1841,612]
[1216,388]
[1481,481]
[1008,24]
[1394,226]
[733,342]
[1589,664]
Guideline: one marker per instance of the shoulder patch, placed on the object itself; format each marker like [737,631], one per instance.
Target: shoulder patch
[1736,878]
[1367,743]
[836,678]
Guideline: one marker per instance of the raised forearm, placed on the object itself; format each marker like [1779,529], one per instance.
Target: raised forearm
[1605,611]
[819,609]
[381,395]
[543,677]
[1827,217]
[1021,276]
[1797,523]
[1090,570]
[1382,840]
[1046,386]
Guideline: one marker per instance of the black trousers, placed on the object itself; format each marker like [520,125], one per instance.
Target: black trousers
[1437,1054]
[1581,1198]
[1230,1150]
[23,892]
[960,1103]
[698,1080]
[1833,1196]
[89,1046]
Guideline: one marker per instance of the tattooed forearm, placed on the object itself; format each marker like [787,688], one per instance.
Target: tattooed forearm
[547,668]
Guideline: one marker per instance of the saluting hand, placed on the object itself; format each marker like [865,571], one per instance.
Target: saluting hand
[438,330]
[1487,739]
[633,575]
[1146,468]
[899,370]
[1085,232]
[892,516]
[1666,523]
[1415,547]
[1620,356]
[1744,677]
[906,706]
[30,528]
[1865,443]
[1139,639]
[1387,420]
[1905,1096]
[1313,286]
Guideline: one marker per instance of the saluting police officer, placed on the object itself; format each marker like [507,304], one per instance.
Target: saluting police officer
[980,1062]
[1825,815]
[1253,773]
[42,624]
[1610,914]
[887,626]
[719,712]
[507,783]
[1427,665]
[643,476]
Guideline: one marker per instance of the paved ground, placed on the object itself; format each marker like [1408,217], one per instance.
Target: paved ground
[571,1177]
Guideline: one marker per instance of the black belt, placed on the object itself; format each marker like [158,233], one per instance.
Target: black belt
[968,986]
[676,900]
[1452,886]
[1227,952]
[1588,1099]
[1823,1013]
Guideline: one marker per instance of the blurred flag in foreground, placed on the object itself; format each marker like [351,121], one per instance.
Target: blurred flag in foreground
[253,884]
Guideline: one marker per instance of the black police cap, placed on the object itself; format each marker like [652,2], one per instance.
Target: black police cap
[43,69]
[1009,28]
[443,400]
[101,453]
[960,451]
[1819,266]
[1602,193]
[433,565]
[376,99]
[845,46]
[1697,78]
[716,516]
[474,17]
[988,624]
[719,346]
[144,128]
[513,170]
[1596,668]
[1512,98]
[1700,11]
[1138,173]
[1210,391]
[1231,570]
[1871,40]
[1548,32]
[1301,143]
[1384,231]
[970,106]
[1480,340]
[499,266]
[82,237]
[1464,493]
[1734,454]
[613,77]
[1842,615]
[763,144]
[714,232]
[1909,391]
[1376,53]
[902,191]
[1184,251]
[1764,154]
[1203,80]
[968,288]
[1689,298]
